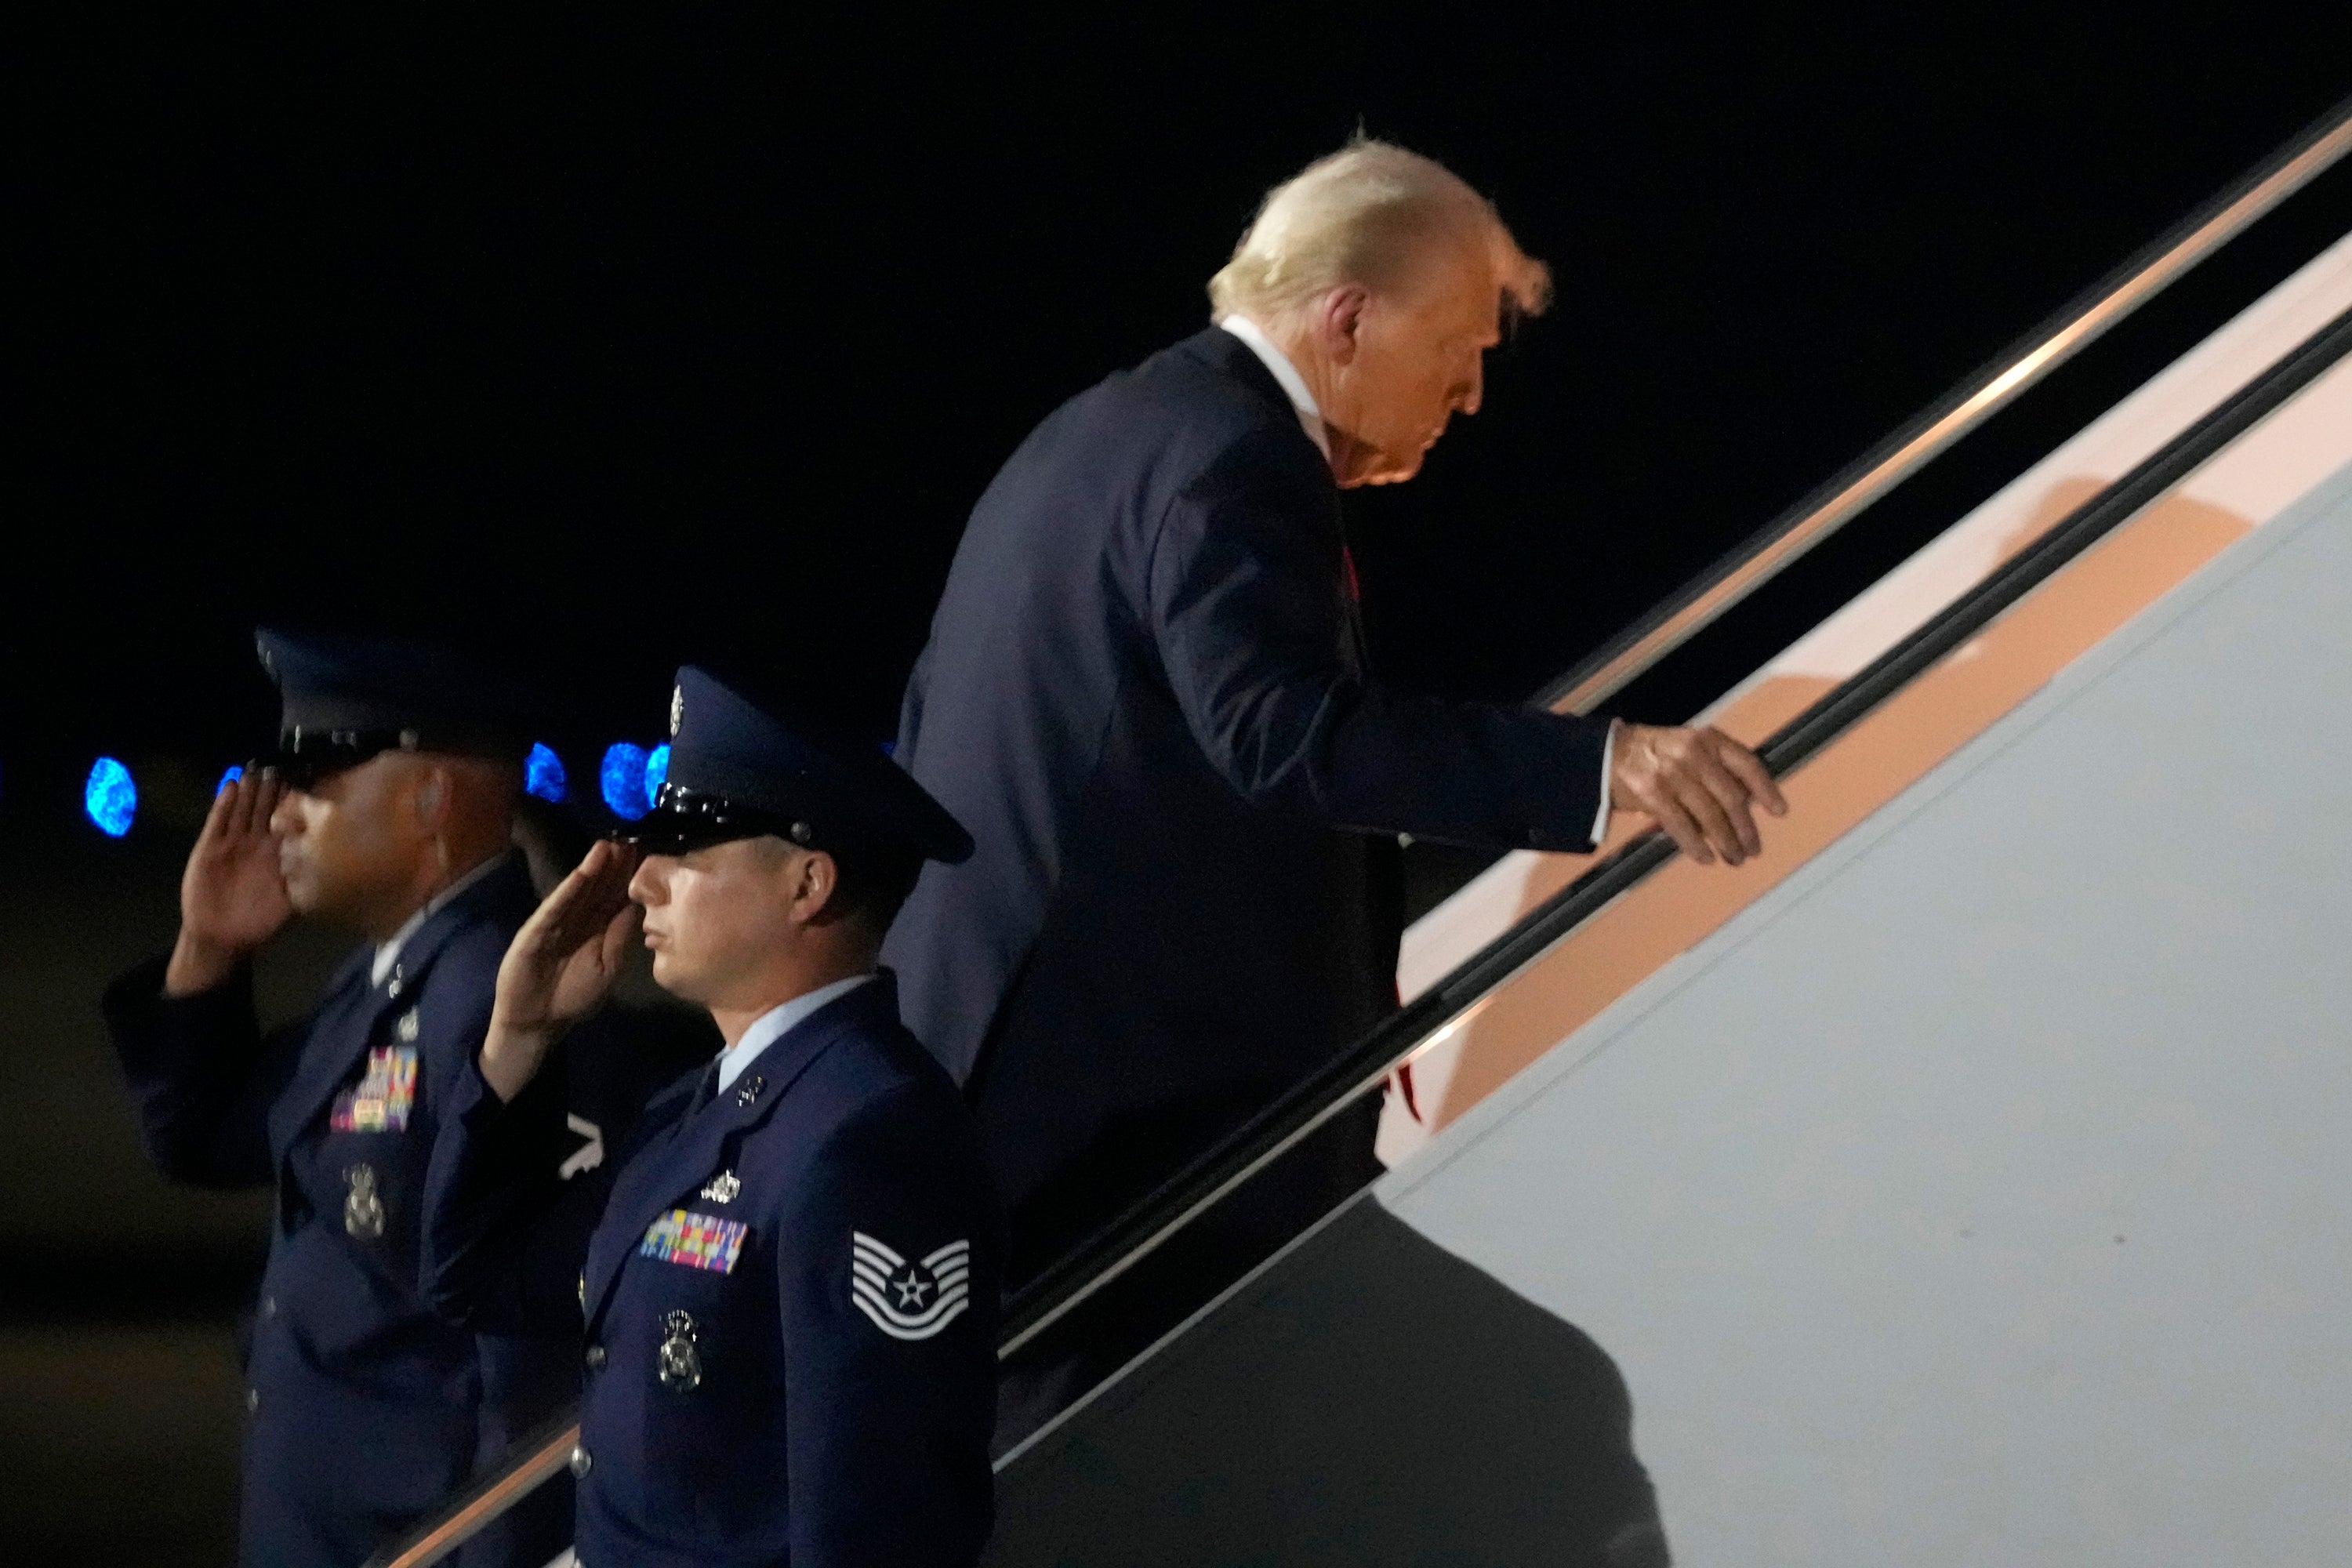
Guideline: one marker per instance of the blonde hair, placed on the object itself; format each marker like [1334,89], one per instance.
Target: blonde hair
[1363,215]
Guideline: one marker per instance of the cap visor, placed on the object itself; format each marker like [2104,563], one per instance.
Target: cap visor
[662,831]
[301,770]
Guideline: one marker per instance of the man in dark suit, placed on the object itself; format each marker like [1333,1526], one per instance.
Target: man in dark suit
[1145,692]
[386,811]
[788,1278]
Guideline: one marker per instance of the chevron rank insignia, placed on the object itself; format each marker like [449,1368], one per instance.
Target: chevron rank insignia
[909,1299]
[586,1157]
[696,1240]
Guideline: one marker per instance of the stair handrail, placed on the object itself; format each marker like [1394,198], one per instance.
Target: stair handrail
[1773,548]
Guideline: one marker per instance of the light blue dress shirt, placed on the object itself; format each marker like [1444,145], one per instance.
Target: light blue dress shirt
[773,1024]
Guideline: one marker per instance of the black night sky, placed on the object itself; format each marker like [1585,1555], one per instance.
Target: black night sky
[602,353]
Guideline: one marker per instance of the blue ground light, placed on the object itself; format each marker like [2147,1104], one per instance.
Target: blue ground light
[656,770]
[542,773]
[622,779]
[109,797]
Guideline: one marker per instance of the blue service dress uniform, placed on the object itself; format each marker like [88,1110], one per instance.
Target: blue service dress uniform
[367,1410]
[789,1300]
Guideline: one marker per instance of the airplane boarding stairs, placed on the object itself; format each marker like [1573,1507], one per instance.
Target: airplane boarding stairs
[1976,1192]
[1961,1181]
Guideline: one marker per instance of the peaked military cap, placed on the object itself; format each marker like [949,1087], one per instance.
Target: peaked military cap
[737,773]
[344,700]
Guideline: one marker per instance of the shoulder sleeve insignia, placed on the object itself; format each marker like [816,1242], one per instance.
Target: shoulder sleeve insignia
[909,1299]
[586,1157]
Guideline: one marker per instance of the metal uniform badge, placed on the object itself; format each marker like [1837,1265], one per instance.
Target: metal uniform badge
[723,1188]
[362,1210]
[406,1027]
[677,1361]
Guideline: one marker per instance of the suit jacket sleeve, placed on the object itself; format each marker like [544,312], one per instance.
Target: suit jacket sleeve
[1245,609]
[887,1442]
[201,1075]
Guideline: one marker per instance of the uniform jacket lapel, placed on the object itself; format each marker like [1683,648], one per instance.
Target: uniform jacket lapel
[341,1032]
[331,1047]
[683,1158]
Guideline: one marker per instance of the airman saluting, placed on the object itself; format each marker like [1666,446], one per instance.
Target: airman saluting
[386,810]
[788,1298]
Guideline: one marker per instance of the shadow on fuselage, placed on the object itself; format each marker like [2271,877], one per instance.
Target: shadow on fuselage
[1371,1399]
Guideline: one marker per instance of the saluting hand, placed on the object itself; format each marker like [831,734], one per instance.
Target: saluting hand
[232,895]
[560,965]
[1700,784]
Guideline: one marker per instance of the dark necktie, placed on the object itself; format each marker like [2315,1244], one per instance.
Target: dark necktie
[707,1091]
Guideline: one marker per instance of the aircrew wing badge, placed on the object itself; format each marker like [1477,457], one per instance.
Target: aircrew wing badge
[908,1300]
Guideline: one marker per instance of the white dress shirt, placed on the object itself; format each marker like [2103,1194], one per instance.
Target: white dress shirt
[1310,419]
[387,951]
[1294,385]
[775,1023]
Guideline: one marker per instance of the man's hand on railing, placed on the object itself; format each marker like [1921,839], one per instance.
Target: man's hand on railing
[560,965]
[1699,784]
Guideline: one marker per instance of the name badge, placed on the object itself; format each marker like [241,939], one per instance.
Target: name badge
[696,1240]
[382,1100]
